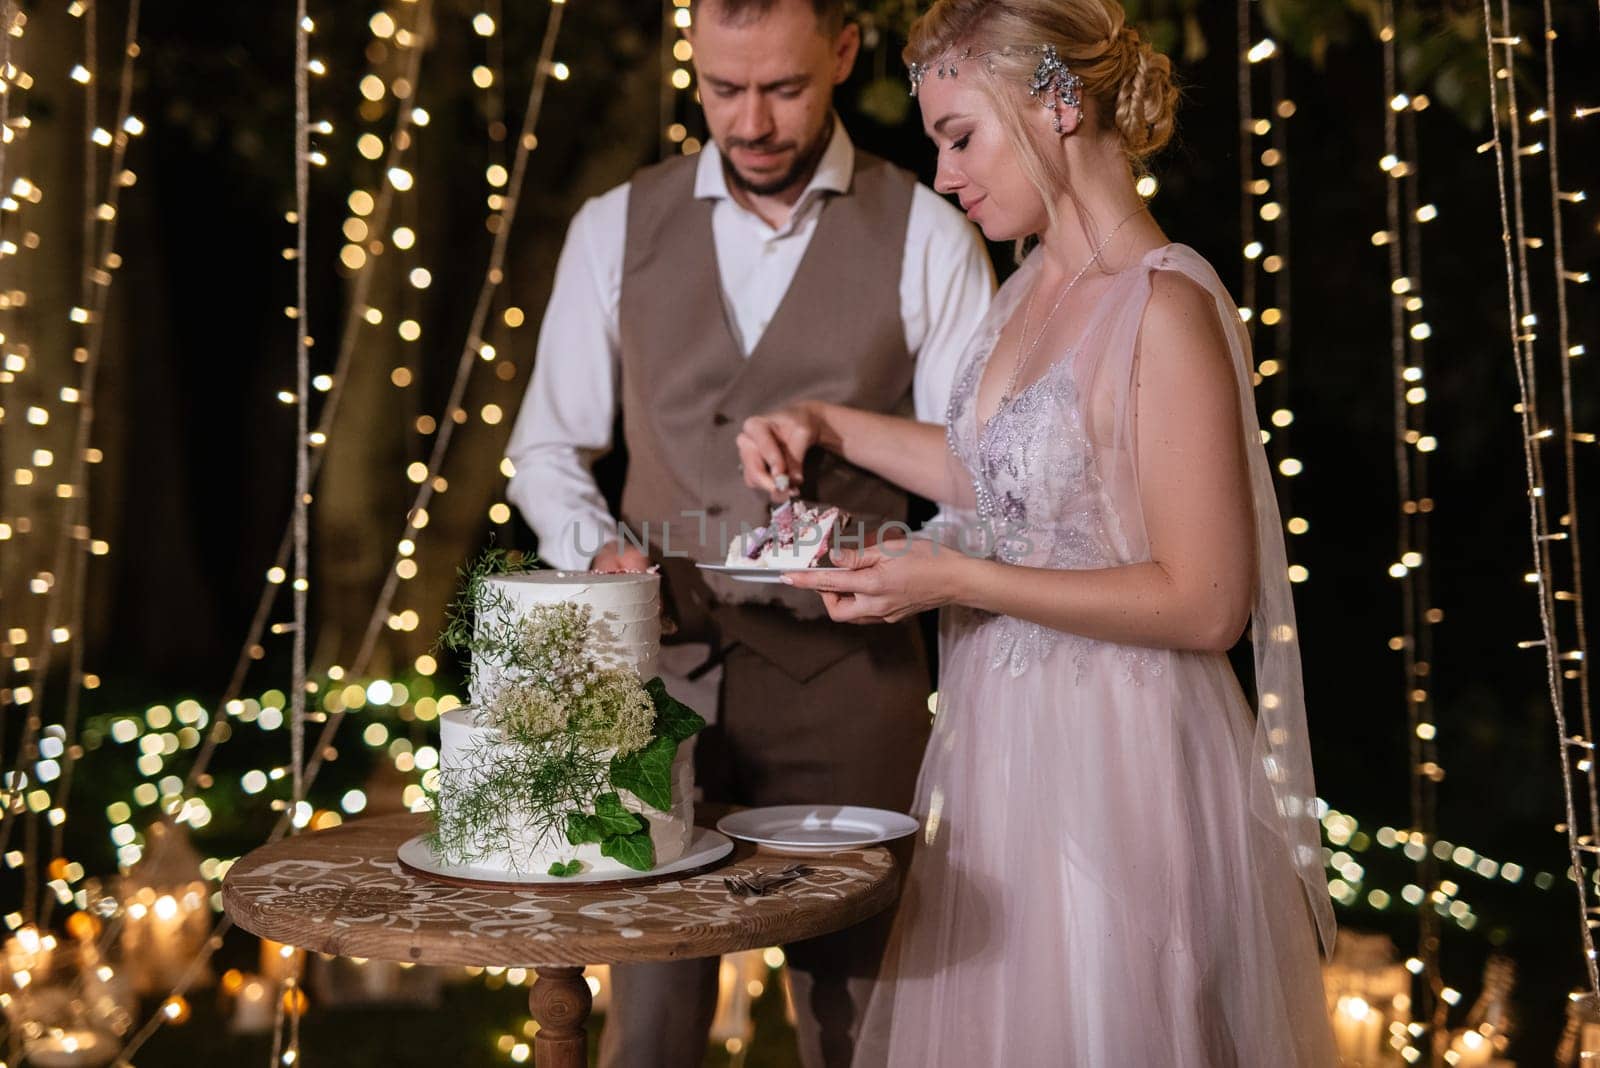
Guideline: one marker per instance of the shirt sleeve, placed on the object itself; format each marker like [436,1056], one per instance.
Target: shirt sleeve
[567,416]
[946,284]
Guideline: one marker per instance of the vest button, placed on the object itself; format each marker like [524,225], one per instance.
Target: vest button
[720,419]
[714,509]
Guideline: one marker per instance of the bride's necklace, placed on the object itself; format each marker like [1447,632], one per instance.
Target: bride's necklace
[1024,356]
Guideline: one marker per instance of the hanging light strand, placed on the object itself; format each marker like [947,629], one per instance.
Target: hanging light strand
[1519,328]
[1579,671]
[302,451]
[97,297]
[251,649]
[8,23]
[1277,316]
[546,69]
[1537,432]
[677,79]
[416,516]
[279,1011]
[12,23]
[73,544]
[1247,222]
[668,98]
[1277,264]
[1265,278]
[27,749]
[495,98]
[1402,241]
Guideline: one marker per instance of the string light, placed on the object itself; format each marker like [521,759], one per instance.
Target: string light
[252,650]
[1570,436]
[678,113]
[496,176]
[302,453]
[54,750]
[1522,336]
[100,261]
[1403,244]
[15,194]
[1267,197]
[417,514]
[363,206]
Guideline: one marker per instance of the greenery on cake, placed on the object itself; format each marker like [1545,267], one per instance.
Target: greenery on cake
[572,734]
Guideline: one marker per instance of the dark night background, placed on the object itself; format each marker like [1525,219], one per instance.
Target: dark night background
[197,482]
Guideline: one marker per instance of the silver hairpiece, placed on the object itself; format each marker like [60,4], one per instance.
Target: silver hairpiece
[944,65]
[1053,84]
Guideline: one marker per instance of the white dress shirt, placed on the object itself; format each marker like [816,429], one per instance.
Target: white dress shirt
[566,420]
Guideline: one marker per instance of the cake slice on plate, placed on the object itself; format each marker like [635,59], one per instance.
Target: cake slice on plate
[798,535]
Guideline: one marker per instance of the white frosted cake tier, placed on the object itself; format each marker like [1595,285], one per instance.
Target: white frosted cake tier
[534,848]
[625,611]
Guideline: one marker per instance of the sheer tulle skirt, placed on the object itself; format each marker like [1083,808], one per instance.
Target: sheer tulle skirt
[1090,887]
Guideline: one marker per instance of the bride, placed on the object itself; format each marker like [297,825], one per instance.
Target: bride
[1120,863]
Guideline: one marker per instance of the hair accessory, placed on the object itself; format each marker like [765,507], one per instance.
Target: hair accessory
[944,65]
[1053,84]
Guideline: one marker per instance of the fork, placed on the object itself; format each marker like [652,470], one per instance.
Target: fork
[761,885]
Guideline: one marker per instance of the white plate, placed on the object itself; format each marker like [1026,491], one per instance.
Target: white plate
[817,828]
[705,847]
[759,574]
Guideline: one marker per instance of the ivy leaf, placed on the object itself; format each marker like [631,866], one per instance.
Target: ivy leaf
[571,867]
[583,828]
[674,719]
[647,774]
[614,819]
[635,850]
[610,818]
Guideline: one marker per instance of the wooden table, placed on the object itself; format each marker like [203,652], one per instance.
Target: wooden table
[343,891]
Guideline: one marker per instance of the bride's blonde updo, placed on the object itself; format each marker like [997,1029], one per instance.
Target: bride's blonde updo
[1128,80]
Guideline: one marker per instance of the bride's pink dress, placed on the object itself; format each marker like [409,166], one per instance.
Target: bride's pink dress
[1119,867]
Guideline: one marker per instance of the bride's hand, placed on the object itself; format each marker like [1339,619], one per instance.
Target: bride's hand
[773,447]
[888,582]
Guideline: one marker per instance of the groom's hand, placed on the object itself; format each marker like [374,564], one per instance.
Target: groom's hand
[613,557]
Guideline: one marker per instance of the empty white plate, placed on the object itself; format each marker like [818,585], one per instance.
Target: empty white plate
[817,828]
[758,574]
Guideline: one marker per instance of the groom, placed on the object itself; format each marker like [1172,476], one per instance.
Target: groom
[777,264]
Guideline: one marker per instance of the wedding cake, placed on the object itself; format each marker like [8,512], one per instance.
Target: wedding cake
[567,759]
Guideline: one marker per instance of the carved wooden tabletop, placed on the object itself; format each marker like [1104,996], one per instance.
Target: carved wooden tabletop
[343,891]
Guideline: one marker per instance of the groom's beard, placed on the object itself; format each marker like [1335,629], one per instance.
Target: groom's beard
[805,164]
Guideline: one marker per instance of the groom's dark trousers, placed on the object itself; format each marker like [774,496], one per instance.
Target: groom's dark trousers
[851,733]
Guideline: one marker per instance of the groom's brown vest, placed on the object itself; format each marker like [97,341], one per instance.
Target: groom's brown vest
[811,712]
[687,388]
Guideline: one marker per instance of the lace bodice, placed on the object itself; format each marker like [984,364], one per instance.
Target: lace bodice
[1036,477]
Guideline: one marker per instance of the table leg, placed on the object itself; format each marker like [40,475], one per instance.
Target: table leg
[559,1001]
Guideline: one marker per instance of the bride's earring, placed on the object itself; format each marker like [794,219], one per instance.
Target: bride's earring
[1059,122]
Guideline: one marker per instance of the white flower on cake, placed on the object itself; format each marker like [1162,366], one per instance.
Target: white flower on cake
[568,761]
[798,535]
